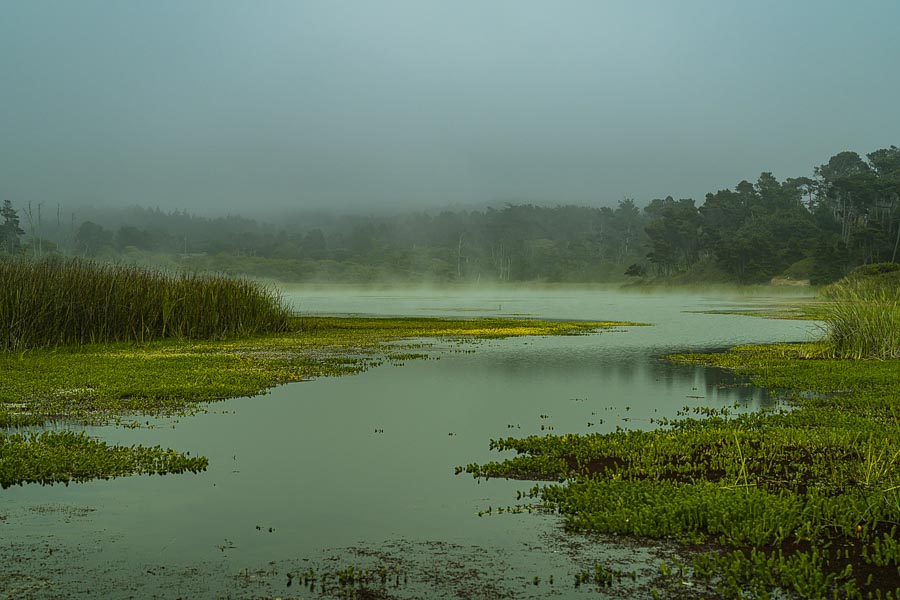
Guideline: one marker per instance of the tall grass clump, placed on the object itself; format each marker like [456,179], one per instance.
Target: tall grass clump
[863,315]
[71,301]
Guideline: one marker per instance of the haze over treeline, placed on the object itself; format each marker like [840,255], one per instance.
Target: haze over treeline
[220,106]
[803,228]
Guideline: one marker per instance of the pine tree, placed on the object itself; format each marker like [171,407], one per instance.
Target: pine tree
[10,230]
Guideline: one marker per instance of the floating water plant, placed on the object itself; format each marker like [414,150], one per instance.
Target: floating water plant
[804,498]
[64,456]
[863,315]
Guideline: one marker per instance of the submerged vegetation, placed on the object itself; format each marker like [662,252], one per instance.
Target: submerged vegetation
[57,302]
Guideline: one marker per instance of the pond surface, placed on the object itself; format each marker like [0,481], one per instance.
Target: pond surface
[359,470]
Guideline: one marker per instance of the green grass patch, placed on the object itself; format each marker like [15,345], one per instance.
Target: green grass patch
[805,497]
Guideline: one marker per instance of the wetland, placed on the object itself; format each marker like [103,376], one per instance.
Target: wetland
[415,300]
[345,487]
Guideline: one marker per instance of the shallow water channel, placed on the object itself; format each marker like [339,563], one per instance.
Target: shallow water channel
[358,471]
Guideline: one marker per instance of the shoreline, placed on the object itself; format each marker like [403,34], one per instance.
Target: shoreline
[805,497]
[101,383]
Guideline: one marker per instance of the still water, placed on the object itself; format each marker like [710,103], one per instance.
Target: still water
[360,470]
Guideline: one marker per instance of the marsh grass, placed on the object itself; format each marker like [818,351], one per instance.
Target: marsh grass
[863,318]
[58,302]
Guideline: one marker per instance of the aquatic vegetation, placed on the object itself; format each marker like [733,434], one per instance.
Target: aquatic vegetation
[351,582]
[805,496]
[808,310]
[96,383]
[602,576]
[861,312]
[863,317]
[57,302]
[63,456]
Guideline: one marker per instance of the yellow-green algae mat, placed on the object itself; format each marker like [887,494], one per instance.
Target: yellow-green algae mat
[104,382]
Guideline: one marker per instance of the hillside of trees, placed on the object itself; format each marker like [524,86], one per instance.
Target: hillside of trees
[816,228]
[819,228]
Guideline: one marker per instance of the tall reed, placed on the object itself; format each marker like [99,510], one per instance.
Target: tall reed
[863,318]
[72,301]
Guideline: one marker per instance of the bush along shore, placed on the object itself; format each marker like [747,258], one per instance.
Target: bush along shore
[158,352]
[805,497]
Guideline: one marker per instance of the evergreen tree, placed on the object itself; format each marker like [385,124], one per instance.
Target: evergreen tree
[10,232]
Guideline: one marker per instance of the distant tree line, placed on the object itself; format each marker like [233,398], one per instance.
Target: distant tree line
[815,228]
[818,228]
[513,243]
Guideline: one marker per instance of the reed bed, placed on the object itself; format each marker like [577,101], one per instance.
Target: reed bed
[72,301]
[863,318]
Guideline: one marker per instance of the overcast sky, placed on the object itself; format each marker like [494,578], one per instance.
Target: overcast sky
[222,106]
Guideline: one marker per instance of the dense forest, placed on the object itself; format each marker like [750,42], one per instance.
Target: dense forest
[807,228]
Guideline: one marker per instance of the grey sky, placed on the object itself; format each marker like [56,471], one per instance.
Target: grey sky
[236,106]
